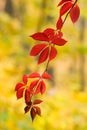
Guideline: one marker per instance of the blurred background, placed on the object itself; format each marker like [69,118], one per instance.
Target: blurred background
[65,101]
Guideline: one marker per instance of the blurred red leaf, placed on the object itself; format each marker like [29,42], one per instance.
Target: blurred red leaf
[65,8]
[37,49]
[18,86]
[34,75]
[38,110]
[19,93]
[60,34]
[63,1]
[27,95]
[33,84]
[40,36]
[42,87]
[59,41]
[37,88]
[26,109]
[49,31]
[59,23]
[45,75]
[25,79]
[33,113]
[74,13]
[53,53]
[44,55]
[37,101]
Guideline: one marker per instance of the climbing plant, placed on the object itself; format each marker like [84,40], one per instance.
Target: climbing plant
[46,50]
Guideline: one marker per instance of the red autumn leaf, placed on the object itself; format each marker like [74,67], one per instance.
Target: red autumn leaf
[65,8]
[26,109]
[59,23]
[29,103]
[33,113]
[33,84]
[37,49]
[60,34]
[34,75]
[53,53]
[27,95]
[49,31]
[40,36]
[19,93]
[37,101]
[44,55]
[45,75]
[74,13]
[38,110]
[63,1]
[59,41]
[38,88]
[42,87]
[18,86]
[25,79]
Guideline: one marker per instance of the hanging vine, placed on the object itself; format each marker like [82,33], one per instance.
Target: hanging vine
[46,51]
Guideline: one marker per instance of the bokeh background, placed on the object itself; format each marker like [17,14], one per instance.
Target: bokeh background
[65,101]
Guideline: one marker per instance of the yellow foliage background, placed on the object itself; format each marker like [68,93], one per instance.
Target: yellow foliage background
[65,100]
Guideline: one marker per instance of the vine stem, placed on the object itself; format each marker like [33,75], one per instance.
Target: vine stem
[47,65]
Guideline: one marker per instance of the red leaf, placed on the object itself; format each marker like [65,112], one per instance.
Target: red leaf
[37,88]
[37,101]
[34,75]
[59,41]
[33,84]
[59,23]
[33,113]
[38,110]
[63,1]
[60,34]
[44,55]
[19,93]
[40,36]
[45,75]
[29,103]
[26,109]
[65,8]
[74,13]
[53,53]
[18,86]
[25,79]
[37,49]
[27,95]
[49,31]
[42,87]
